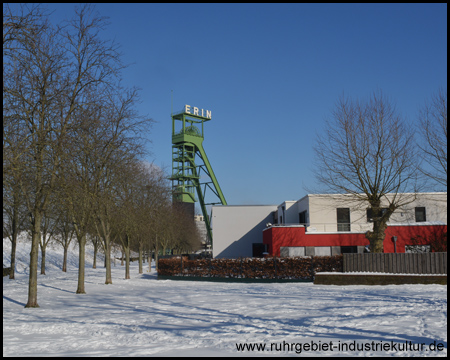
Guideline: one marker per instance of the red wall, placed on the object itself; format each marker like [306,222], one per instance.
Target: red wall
[278,236]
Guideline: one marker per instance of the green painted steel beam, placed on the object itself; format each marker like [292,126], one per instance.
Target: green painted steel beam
[187,144]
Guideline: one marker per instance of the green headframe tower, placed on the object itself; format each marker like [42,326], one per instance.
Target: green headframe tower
[192,173]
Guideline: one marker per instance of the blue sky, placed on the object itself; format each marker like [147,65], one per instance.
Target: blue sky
[271,74]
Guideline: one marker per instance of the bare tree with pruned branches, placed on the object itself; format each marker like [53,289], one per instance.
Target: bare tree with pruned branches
[368,150]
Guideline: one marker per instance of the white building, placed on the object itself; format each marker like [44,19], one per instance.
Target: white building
[238,229]
[336,212]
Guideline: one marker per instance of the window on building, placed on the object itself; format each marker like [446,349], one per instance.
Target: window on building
[302,218]
[349,249]
[274,217]
[370,213]
[420,214]
[343,219]
[258,250]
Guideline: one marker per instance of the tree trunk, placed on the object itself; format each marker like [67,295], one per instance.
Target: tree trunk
[156,256]
[81,264]
[108,262]
[149,261]
[32,284]
[380,219]
[13,254]
[43,259]
[127,262]
[64,268]
[377,237]
[15,232]
[140,259]
[94,266]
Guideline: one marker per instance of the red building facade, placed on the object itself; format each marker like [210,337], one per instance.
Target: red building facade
[276,237]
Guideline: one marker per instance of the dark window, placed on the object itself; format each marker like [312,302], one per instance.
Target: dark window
[258,250]
[302,218]
[349,249]
[420,214]
[274,217]
[370,214]
[343,219]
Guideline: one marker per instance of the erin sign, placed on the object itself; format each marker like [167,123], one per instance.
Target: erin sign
[196,111]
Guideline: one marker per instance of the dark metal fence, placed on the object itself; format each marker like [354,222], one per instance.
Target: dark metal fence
[397,263]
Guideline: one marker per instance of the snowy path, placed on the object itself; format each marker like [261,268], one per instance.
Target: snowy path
[147,317]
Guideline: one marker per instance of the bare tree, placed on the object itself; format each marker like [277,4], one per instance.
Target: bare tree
[97,243]
[121,146]
[14,216]
[48,73]
[186,235]
[30,89]
[49,225]
[19,25]
[103,214]
[155,191]
[19,28]
[130,187]
[433,128]
[155,195]
[368,151]
[64,230]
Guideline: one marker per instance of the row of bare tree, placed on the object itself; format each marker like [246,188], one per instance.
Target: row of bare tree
[72,144]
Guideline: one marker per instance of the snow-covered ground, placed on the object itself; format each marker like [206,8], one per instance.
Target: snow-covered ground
[144,316]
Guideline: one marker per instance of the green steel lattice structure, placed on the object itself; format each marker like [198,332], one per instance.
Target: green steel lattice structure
[187,173]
